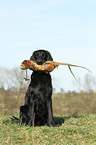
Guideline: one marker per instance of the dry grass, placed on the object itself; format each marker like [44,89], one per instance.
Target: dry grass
[71,103]
[74,103]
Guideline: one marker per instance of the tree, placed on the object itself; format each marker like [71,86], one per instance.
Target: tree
[62,90]
[13,80]
[89,83]
[78,84]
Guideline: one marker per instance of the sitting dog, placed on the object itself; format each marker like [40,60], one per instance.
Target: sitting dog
[37,109]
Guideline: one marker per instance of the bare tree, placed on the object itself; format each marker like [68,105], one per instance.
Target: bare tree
[13,79]
[78,84]
[62,90]
[89,83]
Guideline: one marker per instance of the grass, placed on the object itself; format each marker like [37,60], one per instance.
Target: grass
[74,130]
[74,103]
[63,103]
[74,116]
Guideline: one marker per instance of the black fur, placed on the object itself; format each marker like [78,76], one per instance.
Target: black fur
[37,109]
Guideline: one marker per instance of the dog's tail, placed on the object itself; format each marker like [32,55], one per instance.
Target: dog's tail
[12,119]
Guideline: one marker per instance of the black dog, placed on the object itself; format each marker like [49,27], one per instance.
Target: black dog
[38,98]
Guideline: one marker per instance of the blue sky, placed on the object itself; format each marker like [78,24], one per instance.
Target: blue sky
[66,28]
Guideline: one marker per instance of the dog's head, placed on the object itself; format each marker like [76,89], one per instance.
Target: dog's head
[40,56]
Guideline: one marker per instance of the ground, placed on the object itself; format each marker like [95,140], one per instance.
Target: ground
[73,130]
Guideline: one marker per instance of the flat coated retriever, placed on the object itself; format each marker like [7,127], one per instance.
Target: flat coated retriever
[38,98]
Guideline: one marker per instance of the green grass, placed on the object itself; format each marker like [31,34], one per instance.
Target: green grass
[74,130]
[76,120]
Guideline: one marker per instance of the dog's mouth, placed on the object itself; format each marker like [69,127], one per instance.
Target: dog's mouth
[39,62]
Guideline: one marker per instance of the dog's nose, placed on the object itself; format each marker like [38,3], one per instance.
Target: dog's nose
[39,62]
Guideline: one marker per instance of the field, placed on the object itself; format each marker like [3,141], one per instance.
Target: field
[74,116]
[79,130]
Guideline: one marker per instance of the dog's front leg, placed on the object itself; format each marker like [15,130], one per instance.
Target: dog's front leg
[31,114]
[50,114]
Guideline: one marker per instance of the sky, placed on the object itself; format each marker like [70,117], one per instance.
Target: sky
[66,28]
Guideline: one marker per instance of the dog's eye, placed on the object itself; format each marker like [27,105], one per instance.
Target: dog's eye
[43,55]
[37,55]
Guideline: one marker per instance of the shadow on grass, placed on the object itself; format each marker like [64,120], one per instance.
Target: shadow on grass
[59,120]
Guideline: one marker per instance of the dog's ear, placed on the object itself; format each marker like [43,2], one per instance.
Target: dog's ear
[33,56]
[49,57]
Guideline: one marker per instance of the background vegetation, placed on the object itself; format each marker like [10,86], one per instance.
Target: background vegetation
[74,113]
